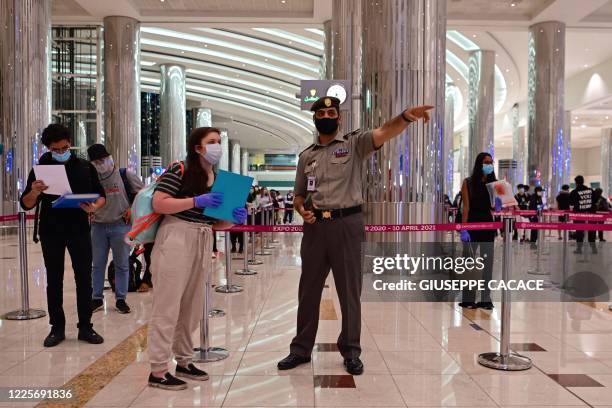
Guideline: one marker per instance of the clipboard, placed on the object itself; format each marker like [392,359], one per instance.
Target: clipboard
[74,200]
[235,189]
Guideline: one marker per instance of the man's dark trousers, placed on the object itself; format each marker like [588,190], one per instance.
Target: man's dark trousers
[334,244]
[79,248]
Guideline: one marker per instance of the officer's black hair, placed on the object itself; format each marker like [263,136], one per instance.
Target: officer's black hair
[55,133]
[565,187]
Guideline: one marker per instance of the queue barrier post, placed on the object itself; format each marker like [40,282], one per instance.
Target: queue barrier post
[245,268]
[205,353]
[228,287]
[25,313]
[263,245]
[268,222]
[253,260]
[505,359]
[274,213]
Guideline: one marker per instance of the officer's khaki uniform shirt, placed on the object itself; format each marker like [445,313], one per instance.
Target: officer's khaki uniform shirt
[337,169]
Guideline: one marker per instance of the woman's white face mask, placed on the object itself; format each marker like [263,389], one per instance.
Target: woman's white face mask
[213,153]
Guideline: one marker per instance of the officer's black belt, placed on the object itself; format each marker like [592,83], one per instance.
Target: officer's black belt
[326,215]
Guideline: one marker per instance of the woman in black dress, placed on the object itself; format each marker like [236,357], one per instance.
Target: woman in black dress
[477,208]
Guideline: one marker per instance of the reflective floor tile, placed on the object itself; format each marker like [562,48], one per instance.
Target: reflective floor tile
[370,390]
[457,390]
[420,362]
[265,363]
[271,391]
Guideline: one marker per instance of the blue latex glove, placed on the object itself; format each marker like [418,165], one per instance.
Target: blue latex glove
[208,200]
[465,236]
[498,204]
[240,215]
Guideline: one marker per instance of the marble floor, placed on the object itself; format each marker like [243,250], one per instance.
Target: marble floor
[415,354]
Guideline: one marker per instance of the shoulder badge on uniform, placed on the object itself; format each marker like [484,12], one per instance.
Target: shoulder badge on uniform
[306,149]
[353,133]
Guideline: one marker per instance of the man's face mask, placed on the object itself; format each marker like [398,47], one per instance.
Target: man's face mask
[326,121]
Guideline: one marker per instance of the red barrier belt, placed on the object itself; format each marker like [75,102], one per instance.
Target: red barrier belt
[14,217]
[561,226]
[378,228]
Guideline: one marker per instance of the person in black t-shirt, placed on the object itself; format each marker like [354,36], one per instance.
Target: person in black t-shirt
[523,204]
[563,203]
[536,203]
[65,228]
[581,201]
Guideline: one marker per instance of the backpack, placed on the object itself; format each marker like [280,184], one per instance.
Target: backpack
[135,268]
[131,194]
[145,221]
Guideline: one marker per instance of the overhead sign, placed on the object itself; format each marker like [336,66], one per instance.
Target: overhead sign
[312,90]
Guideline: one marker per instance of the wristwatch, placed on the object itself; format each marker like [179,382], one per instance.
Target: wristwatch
[405,118]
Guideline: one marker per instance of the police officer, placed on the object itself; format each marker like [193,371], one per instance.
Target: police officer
[328,195]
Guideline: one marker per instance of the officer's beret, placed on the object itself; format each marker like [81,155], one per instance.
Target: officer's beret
[326,102]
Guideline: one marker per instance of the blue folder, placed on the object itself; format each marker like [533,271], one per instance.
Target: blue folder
[235,189]
[74,200]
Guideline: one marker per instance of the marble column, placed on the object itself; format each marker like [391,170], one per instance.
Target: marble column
[202,117]
[25,97]
[347,54]
[606,161]
[122,90]
[172,129]
[545,110]
[404,46]
[328,55]
[224,162]
[244,163]
[481,102]
[235,156]
[519,146]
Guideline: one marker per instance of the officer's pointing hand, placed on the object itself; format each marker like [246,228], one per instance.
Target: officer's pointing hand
[419,112]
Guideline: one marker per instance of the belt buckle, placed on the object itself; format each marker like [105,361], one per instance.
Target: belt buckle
[327,215]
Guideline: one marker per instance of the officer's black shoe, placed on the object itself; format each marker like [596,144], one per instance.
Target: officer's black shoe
[468,305]
[485,305]
[97,304]
[292,361]
[54,338]
[89,335]
[169,382]
[353,366]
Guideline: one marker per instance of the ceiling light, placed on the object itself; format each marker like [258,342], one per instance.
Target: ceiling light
[583,126]
[513,4]
[586,65]
[474,36]
[507,69]
[607,117]
[284,1]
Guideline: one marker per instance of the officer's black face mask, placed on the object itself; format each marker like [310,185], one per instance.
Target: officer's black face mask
[326,126]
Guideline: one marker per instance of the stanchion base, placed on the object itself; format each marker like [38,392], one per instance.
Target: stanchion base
[274,241]
[255,262]
[269,247]
[25,314]
[216,313]
[229,289]
[210,355]
[537,272]
[245,272]
[511,362]
[264,253]
[237,257]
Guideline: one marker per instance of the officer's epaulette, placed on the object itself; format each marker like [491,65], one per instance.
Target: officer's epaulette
[353,133]
[306,149]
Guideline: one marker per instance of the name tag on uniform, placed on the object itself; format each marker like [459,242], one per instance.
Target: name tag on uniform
[311,185]
[341,152]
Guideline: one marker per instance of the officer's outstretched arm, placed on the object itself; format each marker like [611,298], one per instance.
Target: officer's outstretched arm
[396,125]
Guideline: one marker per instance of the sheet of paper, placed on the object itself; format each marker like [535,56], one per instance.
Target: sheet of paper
[235,189]
[54,176]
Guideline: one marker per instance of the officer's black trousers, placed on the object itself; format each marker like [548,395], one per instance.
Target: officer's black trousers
[79,248]
[332,244]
